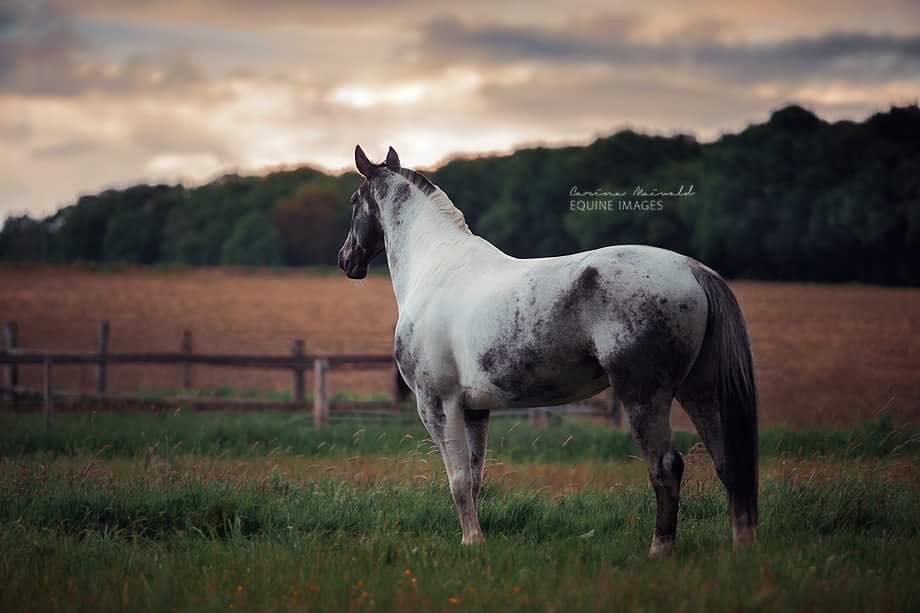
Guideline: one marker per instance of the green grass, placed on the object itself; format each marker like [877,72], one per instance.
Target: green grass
[222,391]
[246,433]
[203,545]
[96,516]
[279,507]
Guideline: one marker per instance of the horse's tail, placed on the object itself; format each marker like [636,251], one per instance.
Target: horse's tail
[729,348]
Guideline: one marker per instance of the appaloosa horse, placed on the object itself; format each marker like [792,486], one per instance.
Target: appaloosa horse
[481,330]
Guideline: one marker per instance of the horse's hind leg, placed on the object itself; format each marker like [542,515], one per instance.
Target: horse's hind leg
[445,423]
[650,422]
[703,410]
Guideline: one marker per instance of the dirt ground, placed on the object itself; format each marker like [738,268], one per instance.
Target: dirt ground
[824,354]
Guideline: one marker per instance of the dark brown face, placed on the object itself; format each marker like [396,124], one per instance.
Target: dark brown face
[365,237]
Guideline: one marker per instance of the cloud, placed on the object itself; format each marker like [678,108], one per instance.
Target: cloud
[65,149]
[75,76]
[249,15]
[43,53]
[33,35]
[14,129]
[853,55]
[781,18]
[100,93]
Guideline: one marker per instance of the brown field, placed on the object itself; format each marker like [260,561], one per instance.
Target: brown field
[824,354]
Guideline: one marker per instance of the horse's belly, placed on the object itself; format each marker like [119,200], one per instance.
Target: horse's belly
[526,379]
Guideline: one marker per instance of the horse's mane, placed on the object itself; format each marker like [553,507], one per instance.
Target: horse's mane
[436,196]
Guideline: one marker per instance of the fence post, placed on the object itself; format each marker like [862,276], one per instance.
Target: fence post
[297,350]
[320,398]
[102,368]
[10,342]
[49,393]
[185,369]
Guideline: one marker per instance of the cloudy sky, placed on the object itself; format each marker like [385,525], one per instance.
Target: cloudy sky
[100,93]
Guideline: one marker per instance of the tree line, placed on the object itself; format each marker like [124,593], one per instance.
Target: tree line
[795,198]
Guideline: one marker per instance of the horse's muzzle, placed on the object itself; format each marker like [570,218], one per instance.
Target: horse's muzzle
[353,261]
[357,271]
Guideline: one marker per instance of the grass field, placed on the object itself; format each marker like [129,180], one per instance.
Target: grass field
[220,511]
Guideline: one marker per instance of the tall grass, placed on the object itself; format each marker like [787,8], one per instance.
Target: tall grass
[242,433]
[279,507]
[193,544]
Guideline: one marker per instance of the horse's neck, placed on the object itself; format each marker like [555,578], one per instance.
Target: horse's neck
[423,244]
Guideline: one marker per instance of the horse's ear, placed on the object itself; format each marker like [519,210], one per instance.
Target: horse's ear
[392,159]
[363,164]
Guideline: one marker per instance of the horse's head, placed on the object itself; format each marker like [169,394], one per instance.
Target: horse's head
[365,237]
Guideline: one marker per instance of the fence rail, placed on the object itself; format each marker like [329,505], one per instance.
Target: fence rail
[266,361]
[298,361]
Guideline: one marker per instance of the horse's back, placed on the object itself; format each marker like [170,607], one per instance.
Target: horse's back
[553,330]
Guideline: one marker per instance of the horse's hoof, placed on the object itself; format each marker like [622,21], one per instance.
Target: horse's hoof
[660,549]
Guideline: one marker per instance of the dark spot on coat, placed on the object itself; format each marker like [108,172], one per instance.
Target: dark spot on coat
[511,368]
[544,356]
[655,360]
[402,352]
[476,423]
[587,283]
[419,180]
[666,475]
[488,358]
[437,416]
[523,372]
[400,196]
[588,361]
[402,193]
[382,188]
[673,465]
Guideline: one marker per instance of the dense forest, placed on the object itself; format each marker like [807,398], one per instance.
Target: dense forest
[795,198]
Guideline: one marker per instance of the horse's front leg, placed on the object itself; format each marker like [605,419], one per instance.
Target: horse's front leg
[445,423]
[477,432]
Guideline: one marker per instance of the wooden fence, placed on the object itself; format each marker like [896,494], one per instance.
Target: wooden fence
[297,361]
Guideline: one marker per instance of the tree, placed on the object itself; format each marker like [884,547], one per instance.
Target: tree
[253,242]
[24,239]
[311,224]
[795,197]
[135,232]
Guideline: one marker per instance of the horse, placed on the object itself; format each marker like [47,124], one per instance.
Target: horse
[480,330]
